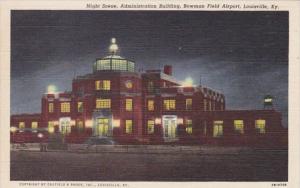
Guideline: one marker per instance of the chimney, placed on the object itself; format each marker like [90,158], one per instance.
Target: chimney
[168,69]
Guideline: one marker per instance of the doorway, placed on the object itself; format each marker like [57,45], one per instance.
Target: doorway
[102,127]
[170,127]
[65,125]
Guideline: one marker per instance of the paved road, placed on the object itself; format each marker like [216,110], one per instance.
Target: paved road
[55,166]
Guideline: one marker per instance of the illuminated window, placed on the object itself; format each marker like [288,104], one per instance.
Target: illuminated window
[123,65]
[150,126]
[80,126]
[128,105]
[130,66]
[169,104]
[188,104]
[218,129]
[21,125]
[106,85]
[34,125]
[204,104]
[189,126]
[50,107]
[103,64]
[80,106]
[97,84]
[51,126]
[119,64]
[102,85]
[103,103]
[239,126]
[150,105]
[128,124]
[65,107]
[260,126]
[115,64]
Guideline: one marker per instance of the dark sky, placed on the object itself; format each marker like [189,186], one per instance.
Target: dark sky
[242,54]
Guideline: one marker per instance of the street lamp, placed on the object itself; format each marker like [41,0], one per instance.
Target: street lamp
[40,135]
[13,129]
[116,123]
[180,121]
[188,82]
[157,121]
[43,147]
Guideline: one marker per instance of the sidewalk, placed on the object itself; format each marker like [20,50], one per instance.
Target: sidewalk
[26,146]
[159,149]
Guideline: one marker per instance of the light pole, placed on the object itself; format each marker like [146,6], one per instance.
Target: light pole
[13,130]
[42,146]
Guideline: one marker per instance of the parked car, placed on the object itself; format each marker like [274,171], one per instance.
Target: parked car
[100,140]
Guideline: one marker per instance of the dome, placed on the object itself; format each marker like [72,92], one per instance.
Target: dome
[114,62]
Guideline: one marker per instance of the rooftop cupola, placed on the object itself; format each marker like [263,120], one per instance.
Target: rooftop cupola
[113,62]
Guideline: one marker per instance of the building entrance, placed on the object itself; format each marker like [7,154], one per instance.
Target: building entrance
[170,127]
[65,125]
[103,127]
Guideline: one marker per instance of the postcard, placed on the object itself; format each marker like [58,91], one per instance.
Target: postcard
[149,93]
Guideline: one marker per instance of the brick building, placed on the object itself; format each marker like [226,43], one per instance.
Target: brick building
[145,107]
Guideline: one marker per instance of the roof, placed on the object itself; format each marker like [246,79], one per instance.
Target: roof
[113,57]
[25,115]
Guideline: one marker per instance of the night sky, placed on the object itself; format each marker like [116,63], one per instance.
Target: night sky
[242,54]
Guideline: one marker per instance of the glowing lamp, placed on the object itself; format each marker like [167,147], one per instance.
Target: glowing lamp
[268,99]
[13,129]
[88,123]
[157,121]
[116,123]
[51,89]
[73,122]
[180,121]
[113,48]
[40,135]
[268,102]
[188,82]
